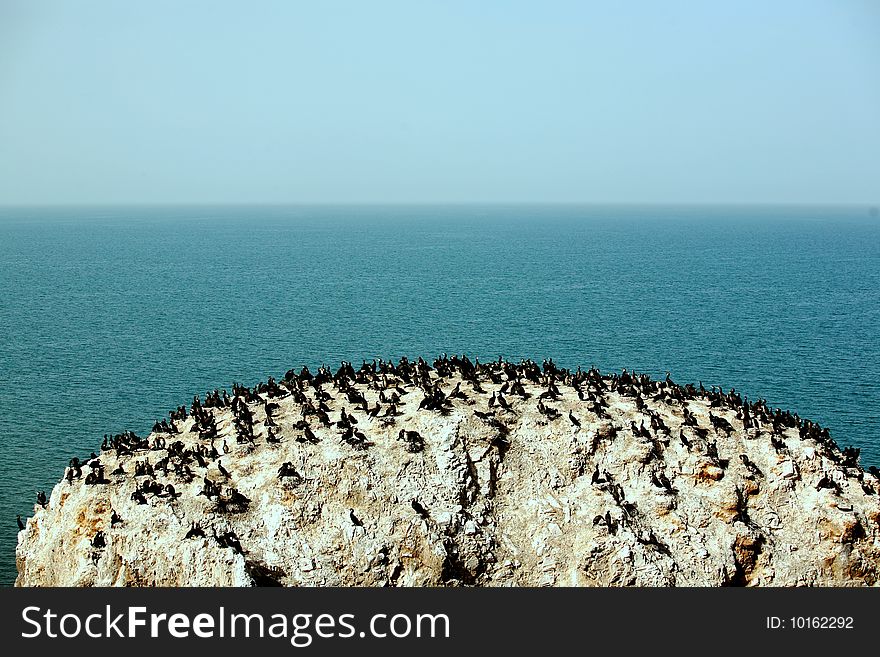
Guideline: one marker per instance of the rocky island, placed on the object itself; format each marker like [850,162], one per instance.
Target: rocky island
[457,472]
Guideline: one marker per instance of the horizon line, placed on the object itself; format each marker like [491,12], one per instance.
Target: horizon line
[147,204]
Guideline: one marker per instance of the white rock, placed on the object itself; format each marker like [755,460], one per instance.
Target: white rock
[302,531]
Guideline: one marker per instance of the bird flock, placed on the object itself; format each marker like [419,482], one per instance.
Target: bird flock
[334,405]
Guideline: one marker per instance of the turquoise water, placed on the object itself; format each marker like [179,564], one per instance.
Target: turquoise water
[111,317]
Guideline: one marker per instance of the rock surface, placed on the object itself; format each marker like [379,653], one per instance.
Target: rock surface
[647,491]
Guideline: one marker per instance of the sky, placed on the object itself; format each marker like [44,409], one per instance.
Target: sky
[107,102]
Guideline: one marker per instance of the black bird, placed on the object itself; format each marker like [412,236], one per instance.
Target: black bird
[98,541]
[610,523]
[750,465]
[660,480]
[21,524]
[826,482]
[237,499]
[221,539]
[288,470]
[195,531]
[418,508]
[354,518]
[409,435]
[778,444]
[41,499]
[457,393]
[231,540]
[604,478]
[222,470]
[684,441]
[574,420]
[114,519]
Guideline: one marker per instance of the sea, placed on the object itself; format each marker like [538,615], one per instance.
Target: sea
[112,316]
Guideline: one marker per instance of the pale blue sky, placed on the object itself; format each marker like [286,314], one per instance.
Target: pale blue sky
[377,101]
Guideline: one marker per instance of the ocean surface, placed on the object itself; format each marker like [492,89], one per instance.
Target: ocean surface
[109,317]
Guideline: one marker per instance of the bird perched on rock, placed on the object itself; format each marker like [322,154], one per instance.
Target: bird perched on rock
[98,541]
[419,509]
[195,531]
